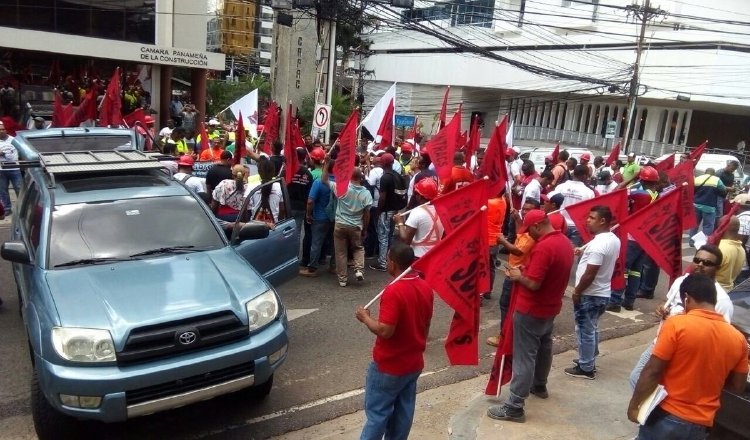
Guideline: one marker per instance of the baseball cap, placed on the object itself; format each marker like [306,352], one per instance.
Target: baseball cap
[604,176]
[532,218]
[386,159]
[39,119]
[407,147]
[585,156]
[742,199]
[556,199]
[213,122]
[186,161]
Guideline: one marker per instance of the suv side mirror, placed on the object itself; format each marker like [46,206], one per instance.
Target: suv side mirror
[16,252]
[253,231]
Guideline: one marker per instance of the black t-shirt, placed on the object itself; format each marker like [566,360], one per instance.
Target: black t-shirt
[216,174]
[299,188]
[388,187]
[726,177]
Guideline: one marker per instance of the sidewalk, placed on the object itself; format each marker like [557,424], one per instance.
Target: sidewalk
[576,408]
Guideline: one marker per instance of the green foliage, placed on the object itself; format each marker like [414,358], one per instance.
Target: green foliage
[342,107]
[222,93]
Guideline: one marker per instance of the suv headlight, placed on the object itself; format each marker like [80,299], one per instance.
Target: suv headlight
[262,310]
[83,344]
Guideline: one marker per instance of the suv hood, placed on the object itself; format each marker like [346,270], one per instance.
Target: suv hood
[122,296]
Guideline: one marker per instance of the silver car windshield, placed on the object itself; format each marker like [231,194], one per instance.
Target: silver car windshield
[90,233]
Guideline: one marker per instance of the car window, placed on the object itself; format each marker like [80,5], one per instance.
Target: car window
[119,229]
[260,199]
[32,217]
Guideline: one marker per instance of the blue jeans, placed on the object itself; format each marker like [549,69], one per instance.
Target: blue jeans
[634,257]
[385,234]
[318,232]
[649,276]
[708,219]
[636,373]
[14,178]
[664,426]
[587,315]
[574,236]
[505,301]
[301,224]
[389,404]
[491,267]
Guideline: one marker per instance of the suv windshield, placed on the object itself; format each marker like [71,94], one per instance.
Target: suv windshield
[89,142]
[91,233]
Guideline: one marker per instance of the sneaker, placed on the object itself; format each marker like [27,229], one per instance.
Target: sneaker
[359,275]
[502,412]
[540,392]
[628,307]
[307,272]
[575,362]
[378,268]
[494,341]
[342,283]
[576,371]
[613,308]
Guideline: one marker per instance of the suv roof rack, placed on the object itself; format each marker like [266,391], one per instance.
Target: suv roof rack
[76,162]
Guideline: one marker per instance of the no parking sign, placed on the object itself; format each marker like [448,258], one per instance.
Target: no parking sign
[322,117]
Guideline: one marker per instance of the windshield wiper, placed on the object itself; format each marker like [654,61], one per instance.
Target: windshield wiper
[166,250]
[86,261]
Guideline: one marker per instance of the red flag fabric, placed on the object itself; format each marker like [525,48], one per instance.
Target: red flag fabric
[291,163]
[462,139]
[696,154]
[613,155]
[385,131]
[456,206]
[666,164]
[618,274]
[616,201]
[659,231]
[204,137]
[60,113]
[502,367]
[683,178]
[297,139]
[344,165]
[456,268]
[723,224]
[493,165]
[270,127]
[86,111]
[474,140]
[239,140]
[110,113]
[555,153]
[442,146]
[444,109]
[136,116]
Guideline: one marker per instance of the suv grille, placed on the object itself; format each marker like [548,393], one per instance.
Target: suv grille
[168,389]
[180,336]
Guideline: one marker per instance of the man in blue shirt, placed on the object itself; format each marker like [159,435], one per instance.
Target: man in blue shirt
[317,216]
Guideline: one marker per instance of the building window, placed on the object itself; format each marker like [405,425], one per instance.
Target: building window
[642,124]
[662,125]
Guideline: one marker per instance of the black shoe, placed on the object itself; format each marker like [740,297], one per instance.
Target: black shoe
[628,307]
[378,267]
[643,295]
[540,392]
[502,412]
[613,308]
[487,295]
[578,372]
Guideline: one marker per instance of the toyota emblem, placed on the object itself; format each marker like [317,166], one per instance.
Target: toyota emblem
[187,338]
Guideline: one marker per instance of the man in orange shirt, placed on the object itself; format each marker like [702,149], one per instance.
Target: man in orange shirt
[460,175]
[518,254]
[696,355]
[214,153]
[496,208]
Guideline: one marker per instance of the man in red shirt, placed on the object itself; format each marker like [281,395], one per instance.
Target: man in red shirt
[460,175]
[539,288]
[401,329]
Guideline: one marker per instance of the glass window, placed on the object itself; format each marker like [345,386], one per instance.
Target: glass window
[32,217]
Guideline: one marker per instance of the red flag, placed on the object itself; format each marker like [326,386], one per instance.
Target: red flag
[493,165]
[456,268]
[442,146]
[618,274]
[86,111]
[239,140]
[344,165]
[290,151]
[474,140]
[131,118]
[666,164]
[659,231]
[53,78]
[204,137]
[60,113]
[616,201]
[270,127]
[385,131]
[613,155]
[297,138]
[555,153]
[110,113]
[696,154]
[462,139]
[456,206]
[723,225]
[444,109]
[502,367]
[683,178]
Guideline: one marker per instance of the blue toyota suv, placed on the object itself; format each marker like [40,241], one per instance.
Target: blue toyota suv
[134,299]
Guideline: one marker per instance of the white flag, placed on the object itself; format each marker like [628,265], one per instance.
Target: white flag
[373,119]
[509,136]
[249,106]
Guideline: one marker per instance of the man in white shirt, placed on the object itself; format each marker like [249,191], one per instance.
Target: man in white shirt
[166,132]
[574,191]
[593,288]
[185,174]
[422,229]
[605,184]
[534,188]
[8,176]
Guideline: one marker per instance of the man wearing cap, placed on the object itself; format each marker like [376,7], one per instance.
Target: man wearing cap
[539,287]
[318,216]
[390,200]
[39,123]
[221,170]
[422,229]
[185,174]
[404,159]
[585,161]
[604,183]
[317,156]
[630,170]
[574,191]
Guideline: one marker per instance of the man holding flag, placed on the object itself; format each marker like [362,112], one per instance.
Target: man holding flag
[540,287]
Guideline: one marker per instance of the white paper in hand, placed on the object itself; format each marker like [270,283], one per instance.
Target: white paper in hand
[651,402]
[699,239]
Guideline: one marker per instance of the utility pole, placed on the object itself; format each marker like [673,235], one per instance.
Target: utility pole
[645,13]
[331,71]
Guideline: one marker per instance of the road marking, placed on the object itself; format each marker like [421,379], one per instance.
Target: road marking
[628,314]
[292,314]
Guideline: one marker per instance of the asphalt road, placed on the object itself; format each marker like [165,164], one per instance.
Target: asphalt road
[321,379]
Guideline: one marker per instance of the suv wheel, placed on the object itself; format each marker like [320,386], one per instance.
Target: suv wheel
[259,392]
[48,422]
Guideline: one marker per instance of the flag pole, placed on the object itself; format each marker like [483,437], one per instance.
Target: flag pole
[404,273]
[500,376]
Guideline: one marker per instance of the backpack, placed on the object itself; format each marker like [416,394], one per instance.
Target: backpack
[565,176]
[400,185]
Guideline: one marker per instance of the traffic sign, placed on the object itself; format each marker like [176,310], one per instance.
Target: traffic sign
[322,117]
[611,128]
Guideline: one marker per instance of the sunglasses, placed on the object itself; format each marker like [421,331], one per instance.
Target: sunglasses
[703,261]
